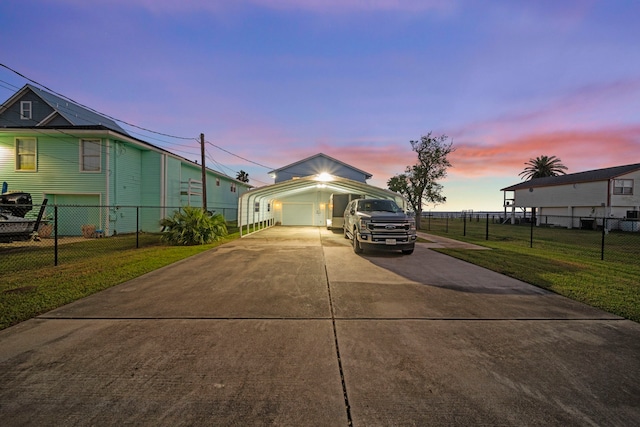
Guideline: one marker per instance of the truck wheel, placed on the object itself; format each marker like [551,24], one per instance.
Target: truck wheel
[356,245]
[407,251]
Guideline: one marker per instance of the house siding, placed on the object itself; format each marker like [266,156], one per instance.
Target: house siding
[567,205]
[39,111]
[173,173]
[623,203]
[150,197]
[135,177]
[54,154]
[316,166]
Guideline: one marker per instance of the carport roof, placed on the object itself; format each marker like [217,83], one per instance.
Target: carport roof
[313,183]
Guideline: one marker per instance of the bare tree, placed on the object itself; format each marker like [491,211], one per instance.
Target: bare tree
[419,183]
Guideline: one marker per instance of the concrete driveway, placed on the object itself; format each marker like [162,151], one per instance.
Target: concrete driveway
[289,327]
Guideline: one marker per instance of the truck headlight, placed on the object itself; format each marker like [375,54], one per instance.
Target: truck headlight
[363,224]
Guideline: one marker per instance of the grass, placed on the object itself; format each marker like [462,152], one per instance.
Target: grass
[564,261]
[31,285]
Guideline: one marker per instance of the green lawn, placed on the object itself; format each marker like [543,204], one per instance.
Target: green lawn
[564,261]
[31,285]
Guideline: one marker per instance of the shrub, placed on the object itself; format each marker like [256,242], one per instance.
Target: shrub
[193,226]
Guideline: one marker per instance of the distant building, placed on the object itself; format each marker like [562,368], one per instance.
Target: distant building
[570,200]
[56,149]
[316,164]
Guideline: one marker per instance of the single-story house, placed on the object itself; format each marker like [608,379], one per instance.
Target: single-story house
[576,199]
[71,155]
[302,192]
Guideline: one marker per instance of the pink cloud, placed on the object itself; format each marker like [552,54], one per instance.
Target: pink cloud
[579,150]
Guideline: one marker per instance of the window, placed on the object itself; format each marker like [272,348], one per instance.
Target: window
[217,182]
[26,154]
[623,186]
[256,207]
[233,187]
[25,110]
[90,155]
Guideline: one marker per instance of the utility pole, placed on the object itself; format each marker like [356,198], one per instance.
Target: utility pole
[204,174]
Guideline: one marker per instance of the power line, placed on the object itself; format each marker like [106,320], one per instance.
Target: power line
[91,109]
[132,125]
[240,157]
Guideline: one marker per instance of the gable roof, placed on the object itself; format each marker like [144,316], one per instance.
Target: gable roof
[73,113]
[574,178]
[366,174]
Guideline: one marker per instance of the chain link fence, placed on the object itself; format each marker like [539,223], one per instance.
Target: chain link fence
[613,239]
[66,233]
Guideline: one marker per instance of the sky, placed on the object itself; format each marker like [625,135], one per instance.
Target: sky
[271,82]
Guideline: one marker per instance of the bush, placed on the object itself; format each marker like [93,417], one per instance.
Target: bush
[193,226]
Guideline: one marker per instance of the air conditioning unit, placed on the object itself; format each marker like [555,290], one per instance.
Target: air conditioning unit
[632,215]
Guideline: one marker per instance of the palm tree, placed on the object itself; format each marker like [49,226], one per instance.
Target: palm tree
[543,166]
[242,176]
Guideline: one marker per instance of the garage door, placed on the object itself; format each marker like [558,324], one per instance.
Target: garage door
[297,214]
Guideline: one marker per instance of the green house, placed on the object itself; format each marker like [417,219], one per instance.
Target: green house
[94,172]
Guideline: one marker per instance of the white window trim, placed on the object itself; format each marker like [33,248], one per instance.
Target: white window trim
[81,154]
[16,163]
[26,110]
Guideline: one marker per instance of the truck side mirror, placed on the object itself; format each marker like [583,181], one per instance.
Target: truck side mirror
[352,212]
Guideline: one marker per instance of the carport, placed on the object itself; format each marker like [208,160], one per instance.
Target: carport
[302,201]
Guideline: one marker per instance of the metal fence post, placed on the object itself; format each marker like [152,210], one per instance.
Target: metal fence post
[137,227]
[55,235]
[531,237]
[604,228]
[486,235]
[464,224]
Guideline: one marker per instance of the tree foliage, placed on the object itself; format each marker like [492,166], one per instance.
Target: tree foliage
[419,183]
[193,226]
[242,176]
[543,166]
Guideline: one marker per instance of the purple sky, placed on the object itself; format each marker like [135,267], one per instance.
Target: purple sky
[275,81]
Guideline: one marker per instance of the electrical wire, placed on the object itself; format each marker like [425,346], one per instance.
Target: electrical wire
[240,157]
[91,109]
[62,107]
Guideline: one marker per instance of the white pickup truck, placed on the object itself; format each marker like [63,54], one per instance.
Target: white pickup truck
[379,223]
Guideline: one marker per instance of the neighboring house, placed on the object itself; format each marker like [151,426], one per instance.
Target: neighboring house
[302,191]
[571,200]
[55,149]
[317,164]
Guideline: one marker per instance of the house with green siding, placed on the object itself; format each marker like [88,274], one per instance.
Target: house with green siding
[92,170]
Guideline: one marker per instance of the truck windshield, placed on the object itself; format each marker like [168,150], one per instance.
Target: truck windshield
[378,205]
